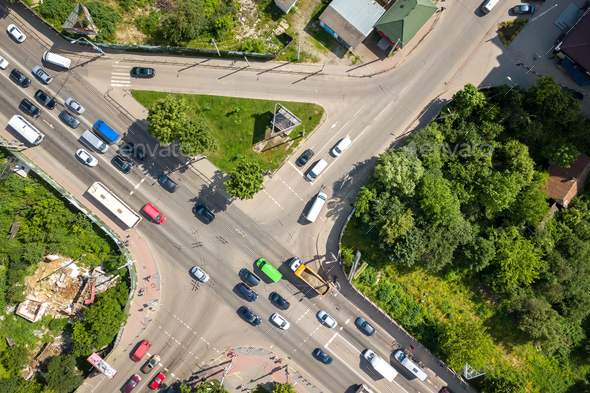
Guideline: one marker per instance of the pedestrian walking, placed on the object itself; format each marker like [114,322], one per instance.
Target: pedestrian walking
[411,347]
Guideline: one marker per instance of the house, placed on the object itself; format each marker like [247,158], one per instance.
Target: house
[285,5]
[574,51]
[403,21]
[566,183]
[351,21]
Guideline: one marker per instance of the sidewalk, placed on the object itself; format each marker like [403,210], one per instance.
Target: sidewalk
[254,366]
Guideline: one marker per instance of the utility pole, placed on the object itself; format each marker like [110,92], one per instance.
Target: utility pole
[218,54]
[225,372]
[96,48]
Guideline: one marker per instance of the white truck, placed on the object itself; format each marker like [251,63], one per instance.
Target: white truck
[380,365]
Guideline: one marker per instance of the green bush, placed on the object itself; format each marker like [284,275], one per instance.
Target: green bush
[148,24]
[106,18]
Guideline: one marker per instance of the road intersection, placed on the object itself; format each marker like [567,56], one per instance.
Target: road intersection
[192,325]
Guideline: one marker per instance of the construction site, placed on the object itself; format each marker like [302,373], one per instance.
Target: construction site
[61,288]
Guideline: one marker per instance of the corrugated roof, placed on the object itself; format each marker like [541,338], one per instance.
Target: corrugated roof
[577,44]
[362,14]
[565,183]
[285,5]
[404,19]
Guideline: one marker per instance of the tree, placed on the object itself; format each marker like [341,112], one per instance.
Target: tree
[103,319]
[284,388]
[476,254]
[517,258]
[540,321]
[509,380]
[398,173]
[499,191]
[62,375]
[185,22]
[530,206]
[8,385]
[465,340]
[363,201]
[166,119]
[196,138]
[468,100]
[245,180]
[437,201]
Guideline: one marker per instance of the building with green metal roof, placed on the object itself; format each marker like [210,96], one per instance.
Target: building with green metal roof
[404,19]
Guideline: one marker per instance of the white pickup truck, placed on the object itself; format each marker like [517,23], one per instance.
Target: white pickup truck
[381,366]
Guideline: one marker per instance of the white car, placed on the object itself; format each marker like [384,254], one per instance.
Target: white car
[86,158]
[341,146]
[327,319]
[73,104]
[3,63]
[16,33]
[199,274]
[280,321]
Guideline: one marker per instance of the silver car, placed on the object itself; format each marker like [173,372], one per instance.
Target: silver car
[3,63]
[327,319]
[73,104]
[86,158]
[42,75]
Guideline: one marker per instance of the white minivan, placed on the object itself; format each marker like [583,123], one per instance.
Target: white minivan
[26,130]
[341,146]
[315,170]
[314,212]
[58,60]
[95,141]
[487,7]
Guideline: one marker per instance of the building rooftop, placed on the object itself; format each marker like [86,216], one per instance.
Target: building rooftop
[362,14]
[565,183]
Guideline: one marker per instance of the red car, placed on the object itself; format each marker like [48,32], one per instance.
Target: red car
[154,213]
[135,379]
[157,381]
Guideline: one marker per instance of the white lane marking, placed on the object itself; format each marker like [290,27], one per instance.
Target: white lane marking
[346,323]
[273,200]
[117,85]
[292,190]
[297,169]
[357,112]
[250,250]
[335,135]
[121,73]
[139,184]
[121,66]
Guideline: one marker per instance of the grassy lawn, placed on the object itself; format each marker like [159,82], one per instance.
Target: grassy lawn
[239,123]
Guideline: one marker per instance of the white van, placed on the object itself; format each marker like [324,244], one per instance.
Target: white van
[487,7]
[410,365]
[341,146]
[314,212]
[95,141]
[316,169]
[26,130]
[58,60]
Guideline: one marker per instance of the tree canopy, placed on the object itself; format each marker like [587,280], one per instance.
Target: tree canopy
[245,180]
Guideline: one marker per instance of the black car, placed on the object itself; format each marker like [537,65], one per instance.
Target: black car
[279,301]
[304,158]
[135,151]
[20,78]
[28,107]
[247,292]
[70,120]
[576,94]
[168,183]
[121,163]
[250,277]
[249,316]
[205,212]
[143,72]
[45,99]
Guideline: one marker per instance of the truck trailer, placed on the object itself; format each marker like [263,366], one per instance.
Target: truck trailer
[380,365]
[309,276]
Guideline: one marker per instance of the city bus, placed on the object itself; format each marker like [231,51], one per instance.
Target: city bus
[269,270]
[114,204]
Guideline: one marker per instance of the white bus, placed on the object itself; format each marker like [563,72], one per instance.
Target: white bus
[410,365]
[114,204]
[26,130]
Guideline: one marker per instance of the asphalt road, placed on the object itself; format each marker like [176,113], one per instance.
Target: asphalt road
[196,321]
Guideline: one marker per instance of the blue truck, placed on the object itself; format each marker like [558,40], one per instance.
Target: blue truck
[105,132]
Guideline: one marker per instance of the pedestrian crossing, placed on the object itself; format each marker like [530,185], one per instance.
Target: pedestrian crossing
[120,76]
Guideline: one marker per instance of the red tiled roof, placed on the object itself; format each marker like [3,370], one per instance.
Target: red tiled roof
[565,183]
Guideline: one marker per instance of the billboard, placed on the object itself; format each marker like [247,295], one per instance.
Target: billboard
[80,22]
[102,366]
